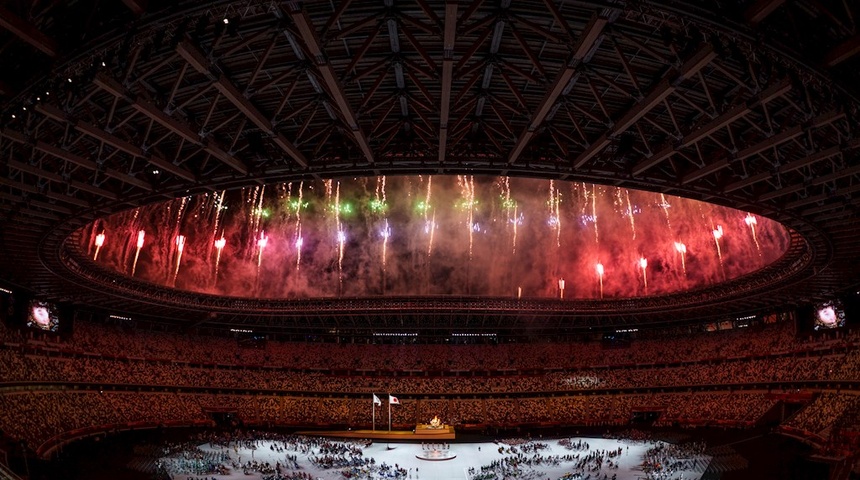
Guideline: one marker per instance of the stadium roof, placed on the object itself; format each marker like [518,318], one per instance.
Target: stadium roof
[110,105]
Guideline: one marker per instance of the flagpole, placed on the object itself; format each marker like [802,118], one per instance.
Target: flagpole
[373,406]
[389,413]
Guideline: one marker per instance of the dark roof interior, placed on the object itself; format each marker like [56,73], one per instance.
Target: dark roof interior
[110,105]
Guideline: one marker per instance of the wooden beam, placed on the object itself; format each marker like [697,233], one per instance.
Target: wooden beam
[68,199]
[70,157]
[770,142]
[658,93]
[336,15]
[839,173]
[27,32]
[734,113]
[806,161]
[718,122]
[773,141]
[198,60]
[24,187]
[114,141]
[843,51]
[666,87]
[709,169]
[448,40]
[760,10]
[584,44]
[72,183]
[112,86]
[137,7]
[559,18]
[335,89]
[65,155]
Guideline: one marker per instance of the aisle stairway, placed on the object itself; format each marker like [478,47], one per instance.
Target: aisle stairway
[724,459]
[144,459]
[143,464]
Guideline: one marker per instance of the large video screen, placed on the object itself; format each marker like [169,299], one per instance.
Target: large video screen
[42,315]
[828,315]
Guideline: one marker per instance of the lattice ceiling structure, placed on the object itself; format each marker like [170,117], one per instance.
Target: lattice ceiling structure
[111,105]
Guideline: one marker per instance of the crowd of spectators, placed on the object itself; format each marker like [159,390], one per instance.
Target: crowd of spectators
[822,412]
[112,340]
[39,416]
[43,363]
[47,366]
[308,383]
[736,409]
[844,438]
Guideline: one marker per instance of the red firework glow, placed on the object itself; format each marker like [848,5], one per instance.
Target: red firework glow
[497,237]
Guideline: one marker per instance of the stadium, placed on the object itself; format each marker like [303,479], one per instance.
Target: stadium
[634,220]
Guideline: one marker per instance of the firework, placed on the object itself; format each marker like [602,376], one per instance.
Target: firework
[341,240]
[219,247]
[555,212]
[599,268]
[180,247]
[718,234]
[140,238]
[682,249]
[299,239]
[261,244]
[429,225]
[100,241]
[315,219]
[594,214]
[630,214]
[751,222]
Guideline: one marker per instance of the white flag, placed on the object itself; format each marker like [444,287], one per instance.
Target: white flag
[393,400]
[376,400]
